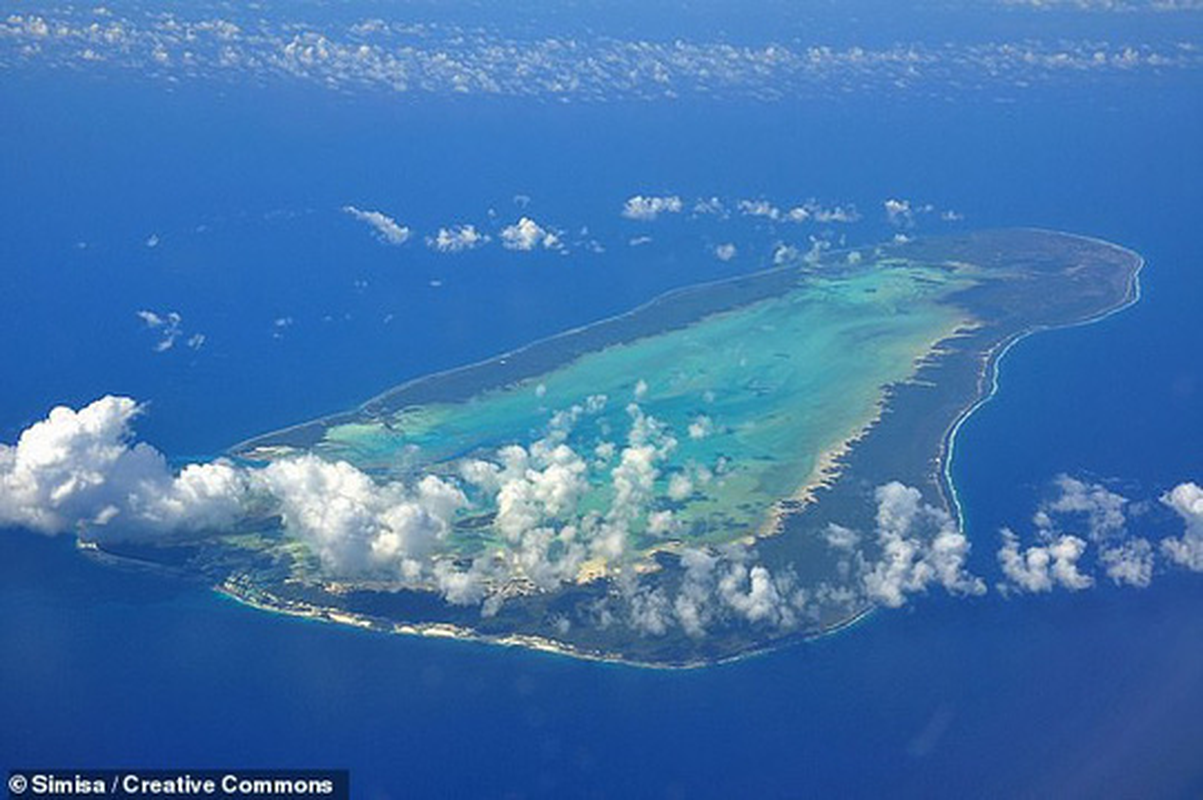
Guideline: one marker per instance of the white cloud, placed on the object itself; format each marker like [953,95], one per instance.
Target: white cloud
[77,469]
[835,214]
[785,254]
[898,212]
[457,239]
[1187,550]
[680,487]
[1041,567]
[701,427]
[1103,508]
[526,234]
[649,208]
[904,213]
[1125,559]
[920,546]
[355,525]
[841,538]
[752,593]
[1129,562]
[168,325]
[759,208]
[387,229]
[725,251]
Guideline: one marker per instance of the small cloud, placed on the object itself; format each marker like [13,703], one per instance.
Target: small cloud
[1042,567]
[648,208]
[636,241]
[526,235]
[898,212]
[904,213]
[279,325]
[457,239]
[168,325]
[759,208]
[835,214]
[1187,550]
[785,254]
[725,252]
[388,231]
[701,427]
[152,240]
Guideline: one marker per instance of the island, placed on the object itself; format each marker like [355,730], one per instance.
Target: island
[687,483]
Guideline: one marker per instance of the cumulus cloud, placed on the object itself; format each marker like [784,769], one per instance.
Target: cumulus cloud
[905,213]
[759,208]
[921,546]
[358,526]
[898,212]
[649,208]
[387,229]
[1040,567]
[1084,526]
[1126,559]
[526,234]
[80,471]
[810,211]
[457,239]
[725,251]
[834,214]
[77,470]
[701,427]
[1186,550]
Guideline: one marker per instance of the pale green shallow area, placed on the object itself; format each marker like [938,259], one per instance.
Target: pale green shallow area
[774,385]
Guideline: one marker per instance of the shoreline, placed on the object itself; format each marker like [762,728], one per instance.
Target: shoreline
[528,642]
[992,368]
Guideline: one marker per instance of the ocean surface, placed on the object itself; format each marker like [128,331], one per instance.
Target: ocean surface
[1095,693]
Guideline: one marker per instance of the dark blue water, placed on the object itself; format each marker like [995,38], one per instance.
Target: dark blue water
[1096,694]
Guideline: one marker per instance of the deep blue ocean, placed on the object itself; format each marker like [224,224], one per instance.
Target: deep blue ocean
[1095,694]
